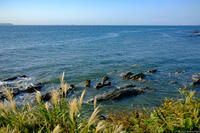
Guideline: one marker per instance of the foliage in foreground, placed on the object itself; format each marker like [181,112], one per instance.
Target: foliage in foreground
[60,115]
[180,115]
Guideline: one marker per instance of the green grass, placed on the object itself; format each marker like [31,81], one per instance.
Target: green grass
[174,115]
[61,115]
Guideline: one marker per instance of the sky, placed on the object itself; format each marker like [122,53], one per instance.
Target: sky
[100,12]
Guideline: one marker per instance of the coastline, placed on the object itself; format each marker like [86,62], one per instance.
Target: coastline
[66,116]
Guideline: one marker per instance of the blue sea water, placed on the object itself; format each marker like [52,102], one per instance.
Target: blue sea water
[91,52]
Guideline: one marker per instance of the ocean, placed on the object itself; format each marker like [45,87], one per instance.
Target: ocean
[91,52]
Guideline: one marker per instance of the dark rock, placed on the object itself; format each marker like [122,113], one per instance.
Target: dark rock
[118,94]
[126,86]
[127,75]
[180,72]
[196,32]
[172,82]
[102,117]
[104,79]
[47,96]
[33,88]
[122,92]
[87,84]
[15,77]
[39,83]
[197,82]
[139,89]
[15,91]
[152,71]
[139,76]
[148,88]
[196,76]
[72,87]
[69,92]
[107,83]
[99,85]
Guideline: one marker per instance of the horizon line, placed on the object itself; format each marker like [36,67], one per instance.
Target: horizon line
[98,25]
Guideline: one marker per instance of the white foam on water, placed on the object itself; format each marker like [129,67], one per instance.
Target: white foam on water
[1,83]
[121,74]
[165,35]
[197,33]
[106,36]
[154,29]
[17,81]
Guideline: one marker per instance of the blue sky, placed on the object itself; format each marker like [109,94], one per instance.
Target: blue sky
[100,12]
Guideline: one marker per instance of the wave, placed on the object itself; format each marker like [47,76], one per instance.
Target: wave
[16,81]
[106,36]
[89,39]
[165,35]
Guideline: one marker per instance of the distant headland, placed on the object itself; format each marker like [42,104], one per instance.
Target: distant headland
[5,24]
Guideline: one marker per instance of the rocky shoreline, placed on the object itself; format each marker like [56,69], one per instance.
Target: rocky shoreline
[127,90]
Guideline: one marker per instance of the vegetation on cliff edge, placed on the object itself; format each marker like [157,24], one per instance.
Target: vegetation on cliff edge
[62,115]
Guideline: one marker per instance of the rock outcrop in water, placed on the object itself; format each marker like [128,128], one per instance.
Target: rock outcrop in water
[100,85]
[196,82]
[121,92]
[104,79]
[126,86]
[102,117]
[197,32]
[87,83]
[149,88]
[196,78]
[104,82]
[72,87]
[48,95]
[14,78]
[139,76]
[152,71]
[33,88]
[118,94]
[127,75]
[130,76]
[180,72]
[16,91]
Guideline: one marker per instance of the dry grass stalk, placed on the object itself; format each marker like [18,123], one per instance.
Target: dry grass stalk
[81,98]
[100,126]
[72,109]
[56,129]
[93,116]
[38,97]
[10,99]
[55,97]
[95,102]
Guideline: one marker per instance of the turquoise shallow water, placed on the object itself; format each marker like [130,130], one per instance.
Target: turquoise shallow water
[90,52]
